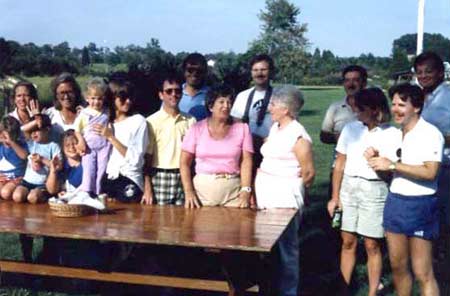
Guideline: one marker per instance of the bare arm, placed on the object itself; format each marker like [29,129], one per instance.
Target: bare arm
[20,151]
[81,145]
[303,152]
[427,171]
[246,178]
[147,197]
[338,175]
[52,184]
[186,179]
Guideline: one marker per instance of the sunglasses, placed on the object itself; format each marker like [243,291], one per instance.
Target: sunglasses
[171,91]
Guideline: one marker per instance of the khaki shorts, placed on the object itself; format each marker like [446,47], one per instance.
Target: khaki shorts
[362,206]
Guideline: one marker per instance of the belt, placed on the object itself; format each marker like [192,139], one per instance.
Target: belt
[223,175]
[370,180]
[165,170]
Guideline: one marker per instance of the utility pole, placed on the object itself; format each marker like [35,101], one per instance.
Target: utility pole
[420,22]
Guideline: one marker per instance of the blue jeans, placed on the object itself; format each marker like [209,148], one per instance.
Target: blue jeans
[286,253]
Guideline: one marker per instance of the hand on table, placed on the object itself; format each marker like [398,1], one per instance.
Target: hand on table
[191,200]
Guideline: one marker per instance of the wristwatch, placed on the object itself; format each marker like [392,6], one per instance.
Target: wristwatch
[392,166]
[246,189]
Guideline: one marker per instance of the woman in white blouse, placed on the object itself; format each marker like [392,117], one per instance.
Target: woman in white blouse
[67,102]
[286,170]
[357,189]
[128,134]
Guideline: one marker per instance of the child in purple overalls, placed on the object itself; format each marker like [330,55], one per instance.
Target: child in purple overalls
[93,147]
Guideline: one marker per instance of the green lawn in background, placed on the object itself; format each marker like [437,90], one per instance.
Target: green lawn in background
[317,100]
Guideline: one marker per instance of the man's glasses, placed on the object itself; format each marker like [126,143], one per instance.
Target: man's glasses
[171,91]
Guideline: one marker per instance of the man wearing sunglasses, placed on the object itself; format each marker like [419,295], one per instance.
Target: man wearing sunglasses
[167,128]
[194,89]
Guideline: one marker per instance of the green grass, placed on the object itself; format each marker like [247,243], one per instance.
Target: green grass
[317,100]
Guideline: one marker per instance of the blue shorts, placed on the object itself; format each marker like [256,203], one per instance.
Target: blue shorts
[31,186]
[413,216]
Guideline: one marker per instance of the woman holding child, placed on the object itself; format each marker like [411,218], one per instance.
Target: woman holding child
[127,132]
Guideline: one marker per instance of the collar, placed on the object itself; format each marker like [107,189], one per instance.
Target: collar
[179,116]
[437,90]
[203,89]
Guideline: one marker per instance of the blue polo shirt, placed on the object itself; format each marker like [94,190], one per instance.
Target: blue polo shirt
[194,105]
[436,110]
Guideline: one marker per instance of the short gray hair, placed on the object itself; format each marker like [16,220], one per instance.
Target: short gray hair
[291,97]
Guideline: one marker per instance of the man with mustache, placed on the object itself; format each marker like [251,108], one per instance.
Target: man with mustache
[251,104]
[194,90]
[430,72]
[341,112]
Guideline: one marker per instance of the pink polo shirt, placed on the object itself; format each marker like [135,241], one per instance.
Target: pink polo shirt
[217,156]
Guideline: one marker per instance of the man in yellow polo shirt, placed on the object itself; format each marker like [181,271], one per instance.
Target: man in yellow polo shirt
[167,128]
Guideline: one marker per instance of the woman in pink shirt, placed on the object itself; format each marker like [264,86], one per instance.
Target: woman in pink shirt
[222,150]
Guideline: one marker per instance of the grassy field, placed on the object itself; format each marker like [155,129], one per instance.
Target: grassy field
[319,241]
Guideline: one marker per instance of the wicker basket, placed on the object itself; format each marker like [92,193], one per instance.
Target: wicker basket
[69,211]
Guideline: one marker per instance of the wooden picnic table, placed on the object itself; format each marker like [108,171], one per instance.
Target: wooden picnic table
[238,230]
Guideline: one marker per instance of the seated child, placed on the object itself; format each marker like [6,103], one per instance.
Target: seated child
[65,175]
[93,148]
[13,156]
[42,150]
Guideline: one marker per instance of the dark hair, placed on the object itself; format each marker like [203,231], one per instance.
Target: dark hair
[12,126]
[263,58]
[432,58]
[410,92]
[29,86]
[355,68]
[45,121]
[66,77]
[215,92]
[120,87]
[374,98]
[171,77]
[195,59]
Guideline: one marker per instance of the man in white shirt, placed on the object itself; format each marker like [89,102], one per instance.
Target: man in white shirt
[341,112]
[251,104]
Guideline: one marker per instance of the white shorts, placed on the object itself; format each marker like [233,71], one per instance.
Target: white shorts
[278,191]
[362,206]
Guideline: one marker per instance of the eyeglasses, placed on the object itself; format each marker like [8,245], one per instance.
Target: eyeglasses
[171,91]
[192,70]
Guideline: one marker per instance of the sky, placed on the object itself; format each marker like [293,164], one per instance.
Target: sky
[346,27]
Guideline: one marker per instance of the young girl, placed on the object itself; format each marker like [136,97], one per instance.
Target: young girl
[69,170]
[13,156]
[93,147]
[42,151]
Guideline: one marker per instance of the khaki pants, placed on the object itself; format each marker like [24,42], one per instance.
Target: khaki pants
[217,190]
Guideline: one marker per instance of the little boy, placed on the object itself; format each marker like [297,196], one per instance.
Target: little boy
[42,150]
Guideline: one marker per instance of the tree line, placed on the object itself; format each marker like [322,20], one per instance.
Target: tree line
[282,36]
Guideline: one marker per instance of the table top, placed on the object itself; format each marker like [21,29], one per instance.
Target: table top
[207,227]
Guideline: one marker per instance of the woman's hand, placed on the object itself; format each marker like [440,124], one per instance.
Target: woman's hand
[34,108]
[244,199]
[105,131]
[191,200]
[332,205]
